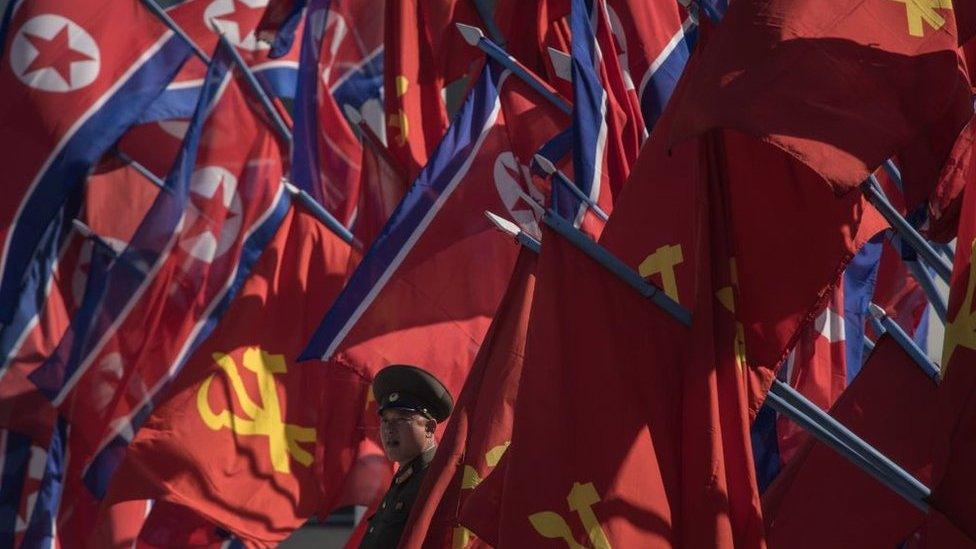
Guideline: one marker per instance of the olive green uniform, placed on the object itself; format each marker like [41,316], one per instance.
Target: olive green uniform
[386,525]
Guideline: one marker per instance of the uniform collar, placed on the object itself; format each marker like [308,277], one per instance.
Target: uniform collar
[418,463]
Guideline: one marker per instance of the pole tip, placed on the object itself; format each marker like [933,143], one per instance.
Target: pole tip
[562,63]
[83,229]
[503,224]
[544,163]
[352,113]
[470,34]
[876,311]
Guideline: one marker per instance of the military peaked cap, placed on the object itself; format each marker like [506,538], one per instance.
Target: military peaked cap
[411,388]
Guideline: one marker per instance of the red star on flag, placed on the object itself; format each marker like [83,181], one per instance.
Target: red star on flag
[244,16]
[55,53]
[212,212]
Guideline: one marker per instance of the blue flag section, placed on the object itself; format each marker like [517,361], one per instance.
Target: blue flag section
[67,164]
[15,453]
[589,116]
[36,287]
[433,187]
[662,77]
[306,167]
[860,278]
[41,530]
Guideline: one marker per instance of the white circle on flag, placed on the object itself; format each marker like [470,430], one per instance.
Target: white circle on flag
[508,175]
[54,54]
[220,12]
[217,235]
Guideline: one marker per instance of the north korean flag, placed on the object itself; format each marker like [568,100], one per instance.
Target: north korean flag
[606,139]
[222,202]
[72,83]
[326,153]
[237,21]
[428,287]
[654,41]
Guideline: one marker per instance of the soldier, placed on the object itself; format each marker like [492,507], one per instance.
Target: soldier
[411,402]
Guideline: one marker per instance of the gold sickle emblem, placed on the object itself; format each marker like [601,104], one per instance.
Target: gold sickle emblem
[264,420]
[581,500]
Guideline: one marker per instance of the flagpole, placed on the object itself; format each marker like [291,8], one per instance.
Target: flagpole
[905,342]
[872,190]
[924,278]
[894,173]
[322,215]
[161,14]
[484,12]
[142,170]
[252,82]
[113,253]
[475,37]
[784,398]
[372,140]
[815,428]
[551,170]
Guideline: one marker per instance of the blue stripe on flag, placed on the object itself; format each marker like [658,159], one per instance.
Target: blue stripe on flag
[860,278]
[181,101]
[305,166]
[41,527]
[16,455]
[38,281]
[589,115]
[656,92]
[433,186]
[765,447]
[69,167]
[362,83]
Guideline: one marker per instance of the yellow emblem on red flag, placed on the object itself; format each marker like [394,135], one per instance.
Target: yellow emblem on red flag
[265,419]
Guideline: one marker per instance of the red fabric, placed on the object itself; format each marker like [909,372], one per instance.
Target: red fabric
[621,489]
[179,457]
[239,23]
[480,427]
[229,195]
[823,500]
[954,490]
[118,525]
[938,531]
[170,525]
[381,187]
[839,92]
[154,145]
[423,52]
[768,219]
[897,292]
[817,368]
[946,200]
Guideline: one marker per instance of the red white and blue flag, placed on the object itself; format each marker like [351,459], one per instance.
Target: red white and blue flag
[237,20]
[162,297]
[326,154]
[655,40]
[606,138]
[72,83]
[405,295]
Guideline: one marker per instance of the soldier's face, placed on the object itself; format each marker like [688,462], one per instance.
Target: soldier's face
[403,434]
